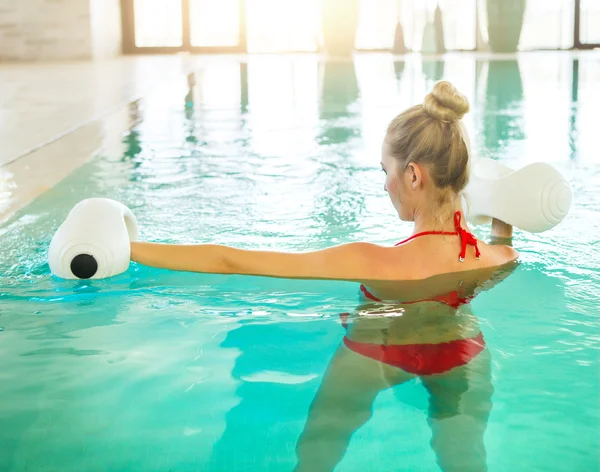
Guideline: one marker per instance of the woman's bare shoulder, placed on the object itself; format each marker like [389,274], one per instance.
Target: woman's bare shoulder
[501,254]
[418,260]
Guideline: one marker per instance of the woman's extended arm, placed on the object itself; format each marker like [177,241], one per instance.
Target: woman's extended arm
[353,261]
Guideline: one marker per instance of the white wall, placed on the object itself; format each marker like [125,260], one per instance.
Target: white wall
[59,29]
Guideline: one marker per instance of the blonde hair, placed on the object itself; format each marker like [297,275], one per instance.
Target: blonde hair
[432,135]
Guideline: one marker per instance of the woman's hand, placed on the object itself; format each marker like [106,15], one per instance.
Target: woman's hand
[501,230]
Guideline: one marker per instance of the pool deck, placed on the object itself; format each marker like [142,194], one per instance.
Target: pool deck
[56,116]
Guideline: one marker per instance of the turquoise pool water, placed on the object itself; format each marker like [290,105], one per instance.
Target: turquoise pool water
[161,371]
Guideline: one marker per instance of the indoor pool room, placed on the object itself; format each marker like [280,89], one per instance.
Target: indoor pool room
[304,236]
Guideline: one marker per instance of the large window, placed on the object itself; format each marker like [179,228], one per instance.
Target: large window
[590,22]
[379,20]
[283,25]
[459,19]
[157,23]
[548,24]
[183,25]
[295,25]
[377,24]
[214,24]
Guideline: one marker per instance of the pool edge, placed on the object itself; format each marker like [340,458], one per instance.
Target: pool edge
[28,177]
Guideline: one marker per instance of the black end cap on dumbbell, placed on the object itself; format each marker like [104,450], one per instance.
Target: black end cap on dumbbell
[84,266]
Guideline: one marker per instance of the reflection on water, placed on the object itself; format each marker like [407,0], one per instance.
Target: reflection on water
[191,372]
[574,101]
[339,89]
[433,71]
[503,98]
[276,370]
[337,207]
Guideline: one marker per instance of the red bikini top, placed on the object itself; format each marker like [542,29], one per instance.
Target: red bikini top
[451,299]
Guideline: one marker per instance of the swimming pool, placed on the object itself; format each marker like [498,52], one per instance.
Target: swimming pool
[160,371]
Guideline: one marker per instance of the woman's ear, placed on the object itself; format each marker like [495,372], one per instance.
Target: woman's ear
[416,176]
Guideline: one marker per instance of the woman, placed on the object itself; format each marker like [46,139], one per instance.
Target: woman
[428,331]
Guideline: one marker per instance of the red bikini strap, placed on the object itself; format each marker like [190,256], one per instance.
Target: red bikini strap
[465,238]
[426,233]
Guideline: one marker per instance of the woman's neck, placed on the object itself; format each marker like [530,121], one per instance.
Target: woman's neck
[436,218]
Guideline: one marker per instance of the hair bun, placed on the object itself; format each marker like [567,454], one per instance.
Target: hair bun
[446,103]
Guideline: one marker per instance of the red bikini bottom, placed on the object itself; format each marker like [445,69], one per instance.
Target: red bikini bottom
[422,359]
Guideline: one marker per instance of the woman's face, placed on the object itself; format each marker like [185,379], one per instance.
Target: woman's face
[399,184]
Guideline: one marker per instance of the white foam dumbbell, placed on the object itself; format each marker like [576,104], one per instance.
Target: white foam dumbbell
[94,241]
[534,198]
